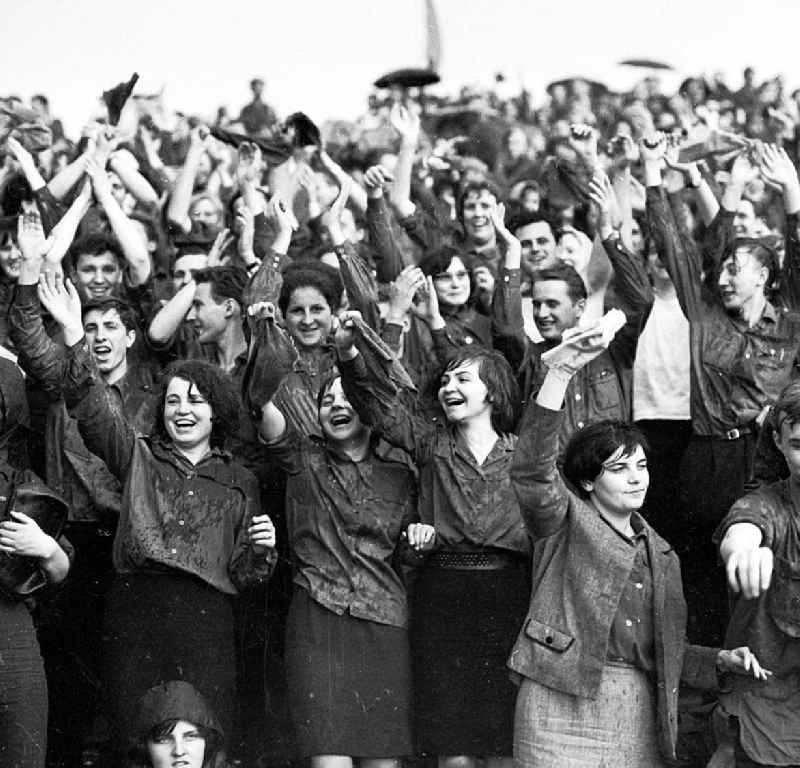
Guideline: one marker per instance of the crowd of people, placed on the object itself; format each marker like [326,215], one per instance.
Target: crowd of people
[467,431]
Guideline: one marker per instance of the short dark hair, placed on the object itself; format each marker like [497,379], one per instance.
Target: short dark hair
[523,218]
[475,187]
[215,386]
[589,447]
[787,409]
[501,385]
[311,274]
[96,244]
[576,288]
[139,756]
[124,310]
[760,250]
[15,192]
[226,282]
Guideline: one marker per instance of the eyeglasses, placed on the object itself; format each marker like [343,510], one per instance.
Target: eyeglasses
[460,275]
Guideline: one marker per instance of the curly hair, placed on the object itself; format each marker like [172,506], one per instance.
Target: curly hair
[96,244]
[215,386]
[311,274]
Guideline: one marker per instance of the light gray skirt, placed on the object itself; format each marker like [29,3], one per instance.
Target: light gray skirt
[615,730]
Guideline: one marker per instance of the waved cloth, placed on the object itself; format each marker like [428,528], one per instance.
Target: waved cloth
[271,151]
[272,356]
[566,183]
[25,125]
[116,97]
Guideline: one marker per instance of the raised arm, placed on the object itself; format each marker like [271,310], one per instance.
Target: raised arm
[684,270]
[508,324]
[362,291]
[40,356]
[102,425]
[126,166]
[377,399]
[181,199]
[134,247]
[355,193]
[167,321]
[388,256]
[778,170]
[406,123]
[543,497]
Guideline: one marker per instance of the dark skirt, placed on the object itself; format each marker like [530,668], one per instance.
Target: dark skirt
[349,683]
[464,625]
[23,690]
[167,626]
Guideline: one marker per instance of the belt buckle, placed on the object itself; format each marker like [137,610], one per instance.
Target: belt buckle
[733,434]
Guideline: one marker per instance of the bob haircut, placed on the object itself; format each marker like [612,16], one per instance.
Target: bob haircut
[140,758]
[787,409]
[311,274]
[215,386]
[122,307]
[502,389]
[438,261]
[589,447]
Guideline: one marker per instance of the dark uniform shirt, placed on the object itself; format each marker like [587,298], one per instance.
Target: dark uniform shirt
[345,518]
[472,506]
[193,518]
[769,711]
[735,369]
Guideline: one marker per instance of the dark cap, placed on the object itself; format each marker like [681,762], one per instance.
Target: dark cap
[175,700]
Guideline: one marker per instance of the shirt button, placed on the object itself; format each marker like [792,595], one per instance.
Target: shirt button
[577,395]
[628,623]
[580,425]
[181,522]
[190,493]
[746,355]
[175,552]
[639,585]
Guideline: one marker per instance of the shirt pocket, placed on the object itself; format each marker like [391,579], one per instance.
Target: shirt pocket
[548,636]
[720,353]
[604,392]
[783,598]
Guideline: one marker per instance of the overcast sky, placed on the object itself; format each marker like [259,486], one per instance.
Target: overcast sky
[322,56]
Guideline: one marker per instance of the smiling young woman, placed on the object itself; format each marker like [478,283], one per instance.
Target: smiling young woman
[470,594]
[349,498]
[190,534]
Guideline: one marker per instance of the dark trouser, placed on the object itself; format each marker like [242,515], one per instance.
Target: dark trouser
[167,626]
[667,440]
[69,629]
[23,691]
[712,477]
